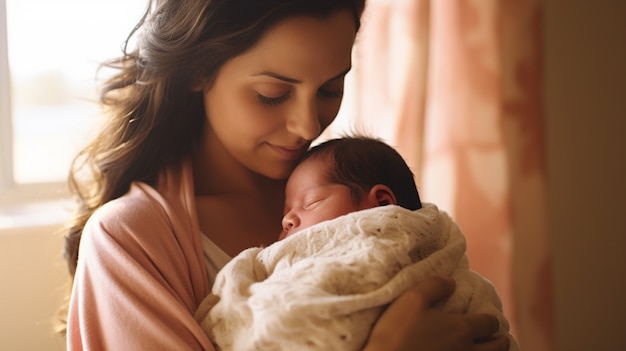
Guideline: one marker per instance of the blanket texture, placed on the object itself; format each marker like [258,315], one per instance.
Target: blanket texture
[324,287]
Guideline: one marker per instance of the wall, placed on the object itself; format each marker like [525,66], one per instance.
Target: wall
[32,278]
[585,52]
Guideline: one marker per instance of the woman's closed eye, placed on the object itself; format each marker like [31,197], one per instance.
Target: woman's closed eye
[332,90]
[273,101]
[331,94]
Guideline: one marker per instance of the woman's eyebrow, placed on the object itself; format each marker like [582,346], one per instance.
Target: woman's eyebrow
[278,76]
[297,81]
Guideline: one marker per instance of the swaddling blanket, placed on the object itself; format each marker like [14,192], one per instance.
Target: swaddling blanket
[324,287]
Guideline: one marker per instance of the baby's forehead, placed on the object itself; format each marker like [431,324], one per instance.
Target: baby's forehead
[314,164]
[309,173]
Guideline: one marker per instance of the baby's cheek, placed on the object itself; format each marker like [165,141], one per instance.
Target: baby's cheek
[283,234]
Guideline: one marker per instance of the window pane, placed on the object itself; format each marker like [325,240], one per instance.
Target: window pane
[54,49]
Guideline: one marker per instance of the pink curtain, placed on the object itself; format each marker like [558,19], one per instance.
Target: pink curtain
[455,85]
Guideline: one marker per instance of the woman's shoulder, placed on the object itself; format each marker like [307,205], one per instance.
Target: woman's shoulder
[142,232]
[140,216]
[142,204]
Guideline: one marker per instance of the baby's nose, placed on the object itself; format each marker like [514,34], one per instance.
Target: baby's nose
[290,222]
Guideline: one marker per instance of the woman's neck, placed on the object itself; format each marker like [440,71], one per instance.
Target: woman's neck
[236,208]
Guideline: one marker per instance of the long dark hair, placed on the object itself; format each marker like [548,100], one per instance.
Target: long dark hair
[154,117]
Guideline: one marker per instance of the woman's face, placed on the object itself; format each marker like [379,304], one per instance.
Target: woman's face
[267,105]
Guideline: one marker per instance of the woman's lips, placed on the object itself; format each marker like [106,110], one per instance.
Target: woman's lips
[290,153]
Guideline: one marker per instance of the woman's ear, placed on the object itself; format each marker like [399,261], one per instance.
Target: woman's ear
[198,85]
[381,195]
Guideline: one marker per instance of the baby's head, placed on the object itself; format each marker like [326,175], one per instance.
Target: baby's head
[344,175]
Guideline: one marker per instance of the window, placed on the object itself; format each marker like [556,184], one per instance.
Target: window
[49,53]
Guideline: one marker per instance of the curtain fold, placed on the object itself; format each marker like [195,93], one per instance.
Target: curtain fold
[455,86]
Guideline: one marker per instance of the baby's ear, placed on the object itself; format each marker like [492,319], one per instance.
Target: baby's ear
[381,195]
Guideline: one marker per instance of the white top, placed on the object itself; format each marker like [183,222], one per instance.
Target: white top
[214,258]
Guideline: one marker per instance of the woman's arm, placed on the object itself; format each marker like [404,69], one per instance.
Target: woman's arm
[138,281]
[413,323]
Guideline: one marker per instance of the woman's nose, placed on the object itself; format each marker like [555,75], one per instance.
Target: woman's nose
[304,121]
[290,222]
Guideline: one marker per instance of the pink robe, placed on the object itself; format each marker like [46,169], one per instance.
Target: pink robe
[141,272]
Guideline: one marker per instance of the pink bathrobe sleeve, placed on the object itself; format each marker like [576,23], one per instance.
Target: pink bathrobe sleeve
[141,272]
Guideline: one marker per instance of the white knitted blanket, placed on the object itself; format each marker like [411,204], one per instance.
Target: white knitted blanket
[324,287]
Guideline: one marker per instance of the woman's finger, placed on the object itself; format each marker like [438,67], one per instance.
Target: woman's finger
[482,326]
[431,291]
[411,322]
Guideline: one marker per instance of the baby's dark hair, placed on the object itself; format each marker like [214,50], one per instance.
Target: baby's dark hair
[360,162]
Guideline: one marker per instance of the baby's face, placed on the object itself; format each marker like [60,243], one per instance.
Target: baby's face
[310,198]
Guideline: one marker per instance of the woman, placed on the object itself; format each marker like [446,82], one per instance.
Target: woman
[208,118]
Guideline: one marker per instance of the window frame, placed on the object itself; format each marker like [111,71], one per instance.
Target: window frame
[12,194]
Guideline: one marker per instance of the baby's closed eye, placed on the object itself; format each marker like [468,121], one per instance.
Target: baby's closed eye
[312,204]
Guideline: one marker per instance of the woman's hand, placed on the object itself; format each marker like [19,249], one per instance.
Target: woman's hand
[412,323]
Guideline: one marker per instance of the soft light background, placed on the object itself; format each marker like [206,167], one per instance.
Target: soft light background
[495,106]
[457,88]
[512,115]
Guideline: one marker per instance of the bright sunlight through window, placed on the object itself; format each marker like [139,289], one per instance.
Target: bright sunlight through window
[54,48]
